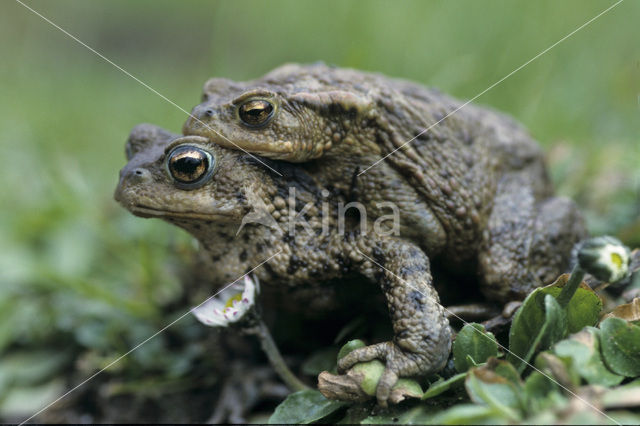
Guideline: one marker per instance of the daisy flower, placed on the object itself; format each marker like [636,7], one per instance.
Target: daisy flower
[230,305]
[606,258]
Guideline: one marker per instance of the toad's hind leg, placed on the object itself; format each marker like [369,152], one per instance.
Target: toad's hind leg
[422,336]
[528,241]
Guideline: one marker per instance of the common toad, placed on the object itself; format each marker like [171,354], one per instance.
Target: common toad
[472,193]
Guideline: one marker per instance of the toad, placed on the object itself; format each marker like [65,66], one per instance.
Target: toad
[475,177]
[473,194]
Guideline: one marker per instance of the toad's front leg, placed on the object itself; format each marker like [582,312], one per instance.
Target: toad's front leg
[422,337]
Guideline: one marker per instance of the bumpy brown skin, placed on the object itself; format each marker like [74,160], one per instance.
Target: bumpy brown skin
[346,120]
[213,214]
[473,194]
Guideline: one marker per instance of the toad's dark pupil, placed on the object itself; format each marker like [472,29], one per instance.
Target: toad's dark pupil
[189,165]
[256,112]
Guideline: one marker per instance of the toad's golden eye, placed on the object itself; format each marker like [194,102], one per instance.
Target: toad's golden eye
[256,112]
[190,165]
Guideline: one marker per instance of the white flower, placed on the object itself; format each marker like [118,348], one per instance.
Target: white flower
[606,258]
[230,305]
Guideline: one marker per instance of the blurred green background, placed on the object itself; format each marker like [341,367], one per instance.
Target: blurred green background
[82,281]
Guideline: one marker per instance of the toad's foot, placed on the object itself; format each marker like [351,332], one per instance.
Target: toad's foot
[398,363]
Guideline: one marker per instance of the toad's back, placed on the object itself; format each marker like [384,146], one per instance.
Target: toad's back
[454,155]
[459,174]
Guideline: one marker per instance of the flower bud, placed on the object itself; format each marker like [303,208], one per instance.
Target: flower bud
[606,258]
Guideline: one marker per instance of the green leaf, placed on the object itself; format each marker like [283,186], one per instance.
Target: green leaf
[498,385]
[541,393]
[31,368]
[21,401]
[585,417]
[371,372]
[560,369]
[356,414]
[473,341]
[623,396]
[624,417]
[584,350]
[504,369]
[620,342]
[471,414]
[584,307]
[350,346]
[417,415]
[442,385]
[539,323]
[538,385]
[304,407]
[409,388]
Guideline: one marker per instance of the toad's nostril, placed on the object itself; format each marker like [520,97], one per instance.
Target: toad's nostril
[140,173]
[208,113]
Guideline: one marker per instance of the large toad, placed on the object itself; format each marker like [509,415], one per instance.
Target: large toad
[475,197]
[473,180]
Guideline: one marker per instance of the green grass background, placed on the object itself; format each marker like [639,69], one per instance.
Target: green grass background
[80,278]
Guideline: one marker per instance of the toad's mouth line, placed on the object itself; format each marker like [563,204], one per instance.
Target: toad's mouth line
[272,147]
[144,211]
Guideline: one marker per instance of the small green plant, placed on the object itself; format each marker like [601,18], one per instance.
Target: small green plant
[564,362]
